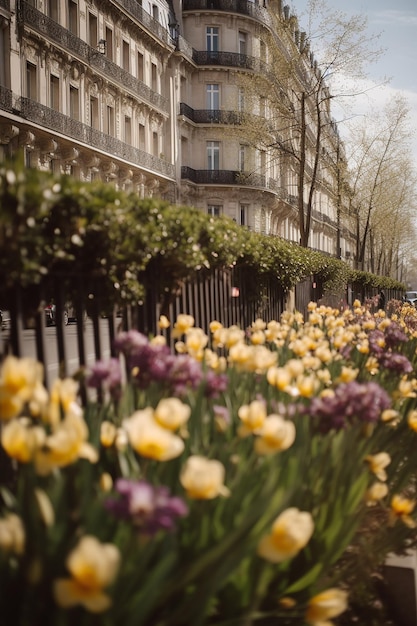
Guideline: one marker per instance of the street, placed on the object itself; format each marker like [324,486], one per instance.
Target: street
[71,347]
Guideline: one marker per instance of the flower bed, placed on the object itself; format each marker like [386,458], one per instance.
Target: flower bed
[224,484]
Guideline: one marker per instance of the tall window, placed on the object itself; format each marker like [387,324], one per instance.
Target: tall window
[155,12]
[31,81]
[142,143]
[213,155]
[74,103]
[212,38]
[109,43]
[213,97]
[92,30]
[109,121]
[54,93]
[52,9]
[241,100]
[155,143]
[214,210]
[154,77]
[126,56]
[242,152]
[94,114]
[243,214]
[139,71]
[243,43]
[73,16]
[128,130]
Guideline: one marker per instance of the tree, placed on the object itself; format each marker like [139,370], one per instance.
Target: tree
[383,183]
[289,99]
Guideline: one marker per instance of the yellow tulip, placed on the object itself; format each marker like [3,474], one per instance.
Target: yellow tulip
[12,534]
[290,533]
[171,413]
[203,479]
[275,435]
[378,463]
[151,440]
[93,567]
[325,605]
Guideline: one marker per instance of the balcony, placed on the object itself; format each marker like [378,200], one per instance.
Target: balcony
[251,9]
[6,99]
[210,116]
[5,4]
[229,59]
[52,31]
[222,177]
[136,11]
[82,133]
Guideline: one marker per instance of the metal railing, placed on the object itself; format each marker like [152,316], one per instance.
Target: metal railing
[229,59]
[76,130]
[210,116]
[92,57]
[223,177]
[243,7]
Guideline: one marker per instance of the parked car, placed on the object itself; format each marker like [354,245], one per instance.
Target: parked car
[68,314]
[410,297]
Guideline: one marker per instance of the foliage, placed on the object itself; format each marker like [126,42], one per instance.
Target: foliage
[91,237]
[227,483]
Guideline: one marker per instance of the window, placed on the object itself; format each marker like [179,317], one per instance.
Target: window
[262,50]
[92,30]
[52,9]
[213,155]
[142,136]
[242,152]
[139,71]
[241,100]
[94,115]
[155,12]
[214,210]
[126,56]
[155,143]
[54,93]
[213,97]
[154,77]
[31,81]
[212,38]
[73,17]
[109,121]
[243,214]
[74,103]
[109,43]
[128,130]
[243,46]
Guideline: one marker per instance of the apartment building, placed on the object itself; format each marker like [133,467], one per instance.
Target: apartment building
[148,95]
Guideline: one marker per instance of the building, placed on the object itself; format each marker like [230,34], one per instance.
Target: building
[148,94]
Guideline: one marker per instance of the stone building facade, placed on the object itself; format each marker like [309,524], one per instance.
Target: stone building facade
[145,94]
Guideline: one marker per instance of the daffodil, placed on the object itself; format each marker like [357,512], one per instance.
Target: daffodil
[203,479]
[378,463]
[20,439]
[93,566]
[290,533]
[19,378]
[375,493]
[275,435]
[325,605]
[150,439]
[401,508]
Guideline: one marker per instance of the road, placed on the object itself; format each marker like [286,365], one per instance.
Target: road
[71,347]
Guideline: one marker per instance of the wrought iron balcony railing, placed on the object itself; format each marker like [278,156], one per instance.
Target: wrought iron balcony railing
[63,37]
[222,177]
[243,7]
[135,9]
[210,116]
[229,59]
[77,131]
[5,4]
[6,99]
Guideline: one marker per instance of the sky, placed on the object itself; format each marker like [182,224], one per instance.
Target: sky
[396,22]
